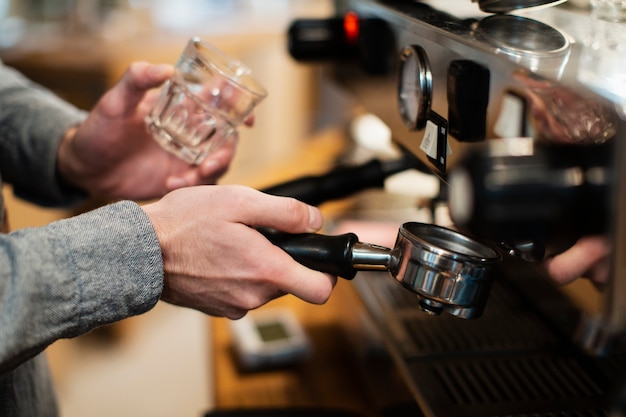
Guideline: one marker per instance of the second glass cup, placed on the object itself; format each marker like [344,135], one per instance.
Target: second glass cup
[201,106]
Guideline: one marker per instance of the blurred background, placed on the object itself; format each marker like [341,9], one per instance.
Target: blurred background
[163,363]
[159,364]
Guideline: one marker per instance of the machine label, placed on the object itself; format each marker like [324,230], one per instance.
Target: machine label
[435,141]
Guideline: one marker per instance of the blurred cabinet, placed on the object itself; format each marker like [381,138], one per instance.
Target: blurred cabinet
[79,81]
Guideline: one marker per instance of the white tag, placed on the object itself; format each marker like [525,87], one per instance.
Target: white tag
[429,142]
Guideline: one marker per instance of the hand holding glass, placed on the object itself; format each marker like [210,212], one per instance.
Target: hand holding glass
[201,106]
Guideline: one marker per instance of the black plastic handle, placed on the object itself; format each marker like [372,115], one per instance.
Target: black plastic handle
[338,183]
[343,181]
[331,254]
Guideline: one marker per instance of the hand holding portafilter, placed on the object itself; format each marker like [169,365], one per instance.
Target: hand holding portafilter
[447,270]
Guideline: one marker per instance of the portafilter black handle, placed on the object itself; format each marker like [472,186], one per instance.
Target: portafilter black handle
[324,253]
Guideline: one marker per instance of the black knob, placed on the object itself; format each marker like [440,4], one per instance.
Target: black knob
[468,96]
[370,42]
[548,197]
[319,40]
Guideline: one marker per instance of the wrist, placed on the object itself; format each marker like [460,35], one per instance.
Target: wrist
[155,216]
[67,164]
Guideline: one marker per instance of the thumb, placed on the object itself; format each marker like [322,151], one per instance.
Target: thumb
[139,78]
[146,76]
[285,214]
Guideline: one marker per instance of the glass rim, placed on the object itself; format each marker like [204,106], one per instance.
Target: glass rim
[245,80]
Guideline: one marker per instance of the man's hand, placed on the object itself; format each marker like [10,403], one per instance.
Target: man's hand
[215,261]
[112,155]
[588,258]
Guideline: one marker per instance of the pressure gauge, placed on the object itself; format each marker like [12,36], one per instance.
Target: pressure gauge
[414,87]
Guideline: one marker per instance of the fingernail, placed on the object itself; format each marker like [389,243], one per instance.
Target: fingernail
[209,166]
[160,70]
[174,183]
[315,219]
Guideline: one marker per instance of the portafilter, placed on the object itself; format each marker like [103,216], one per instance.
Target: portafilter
[447,270]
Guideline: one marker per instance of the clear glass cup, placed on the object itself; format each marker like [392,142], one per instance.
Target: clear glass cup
[201,106]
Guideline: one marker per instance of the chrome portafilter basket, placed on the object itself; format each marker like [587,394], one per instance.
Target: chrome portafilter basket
[447,270]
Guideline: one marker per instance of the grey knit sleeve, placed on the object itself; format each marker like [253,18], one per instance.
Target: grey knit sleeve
[32,124]
[67,278]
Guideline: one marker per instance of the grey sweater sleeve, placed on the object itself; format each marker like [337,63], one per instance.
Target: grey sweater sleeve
[64,279]
[32,124]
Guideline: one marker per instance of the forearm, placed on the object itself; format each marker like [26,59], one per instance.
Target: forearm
[33,122]
[67,278]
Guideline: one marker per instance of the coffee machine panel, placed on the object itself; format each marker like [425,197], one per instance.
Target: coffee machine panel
[519,108]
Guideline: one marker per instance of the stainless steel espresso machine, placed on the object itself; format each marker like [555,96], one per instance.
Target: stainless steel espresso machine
[519,107]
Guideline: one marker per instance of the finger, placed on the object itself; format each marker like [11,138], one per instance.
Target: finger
[577,260]
[296,279]
[144,76]
[599,273]
[249,121]
[193,177]
[281,213]
[218,162]
[213,170]
[139,78]
[311,286]
[206,173]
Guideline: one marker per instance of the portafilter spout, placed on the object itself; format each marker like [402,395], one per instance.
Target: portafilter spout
[447,270]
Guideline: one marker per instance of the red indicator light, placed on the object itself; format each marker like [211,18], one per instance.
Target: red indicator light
[351,27]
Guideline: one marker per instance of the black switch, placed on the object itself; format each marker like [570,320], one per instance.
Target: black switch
[468,96]
[368,41]
[319,40]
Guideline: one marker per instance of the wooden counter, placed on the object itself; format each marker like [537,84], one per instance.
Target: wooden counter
[340,374]
[346,370]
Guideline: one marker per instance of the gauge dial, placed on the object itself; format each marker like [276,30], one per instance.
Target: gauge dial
[414,86]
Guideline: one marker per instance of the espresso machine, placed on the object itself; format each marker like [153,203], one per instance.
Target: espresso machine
[519,108]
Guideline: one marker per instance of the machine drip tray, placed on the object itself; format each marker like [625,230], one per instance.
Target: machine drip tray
[511,362]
